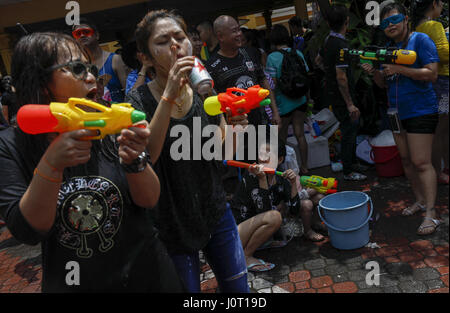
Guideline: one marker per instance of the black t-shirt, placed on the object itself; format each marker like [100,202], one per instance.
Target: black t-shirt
[250,200]
[330,54]
[192,197]
[242,71]
[97,224]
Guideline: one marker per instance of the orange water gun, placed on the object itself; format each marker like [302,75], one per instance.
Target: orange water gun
[77,114]
[252,98]
[266,170]
[321,184]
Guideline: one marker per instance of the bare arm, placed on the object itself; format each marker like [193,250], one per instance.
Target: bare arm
[342,81]
[428,73]
[121,70]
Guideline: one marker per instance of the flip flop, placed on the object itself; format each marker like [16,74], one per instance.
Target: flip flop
[251,268]
[409,212]
[435,225]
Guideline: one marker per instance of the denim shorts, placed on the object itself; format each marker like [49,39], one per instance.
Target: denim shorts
[425,124]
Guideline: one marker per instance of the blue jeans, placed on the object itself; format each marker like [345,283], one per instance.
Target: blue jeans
[224,254]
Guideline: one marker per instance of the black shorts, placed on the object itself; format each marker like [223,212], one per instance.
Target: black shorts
[301,108]
[425,124]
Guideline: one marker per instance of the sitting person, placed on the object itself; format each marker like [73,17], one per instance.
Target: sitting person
[257,202]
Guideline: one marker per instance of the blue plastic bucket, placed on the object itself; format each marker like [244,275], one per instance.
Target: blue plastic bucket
[346,214]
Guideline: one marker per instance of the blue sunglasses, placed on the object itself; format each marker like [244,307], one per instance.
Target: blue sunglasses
[394,19]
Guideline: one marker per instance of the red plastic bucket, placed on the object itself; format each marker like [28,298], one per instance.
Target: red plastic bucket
[387,161]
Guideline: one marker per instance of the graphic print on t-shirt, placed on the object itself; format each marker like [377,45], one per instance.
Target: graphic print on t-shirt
[244,82]
[90,210]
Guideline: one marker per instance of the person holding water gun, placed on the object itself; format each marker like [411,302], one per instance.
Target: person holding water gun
[260,200]
[84,201]
[413,109]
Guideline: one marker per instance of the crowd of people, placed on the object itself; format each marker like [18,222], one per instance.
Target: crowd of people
[136,219]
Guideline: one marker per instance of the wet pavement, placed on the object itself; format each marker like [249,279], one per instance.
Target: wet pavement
[408,263]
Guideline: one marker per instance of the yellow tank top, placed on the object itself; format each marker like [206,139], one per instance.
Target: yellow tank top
[437,33]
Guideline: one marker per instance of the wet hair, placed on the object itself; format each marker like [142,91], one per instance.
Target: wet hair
[32,56]
[206,24]
[146,26]
[280,36]
[337,17]
[418,9]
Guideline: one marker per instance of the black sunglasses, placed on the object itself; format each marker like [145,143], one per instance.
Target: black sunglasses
[78,69]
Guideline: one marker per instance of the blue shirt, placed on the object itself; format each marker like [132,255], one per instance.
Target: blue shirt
[273,68]
[415,98]
[131,80]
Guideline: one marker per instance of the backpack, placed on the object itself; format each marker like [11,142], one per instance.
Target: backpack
[294,82]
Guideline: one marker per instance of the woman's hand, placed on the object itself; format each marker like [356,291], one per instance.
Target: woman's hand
[133,141]
[178,76]
[258,170]
[238,119]
[290,176]
[70,149]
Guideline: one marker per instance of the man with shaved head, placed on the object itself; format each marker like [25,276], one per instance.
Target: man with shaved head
[237,66]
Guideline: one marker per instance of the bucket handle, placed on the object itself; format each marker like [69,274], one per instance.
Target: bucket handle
[372,157]
[351,229]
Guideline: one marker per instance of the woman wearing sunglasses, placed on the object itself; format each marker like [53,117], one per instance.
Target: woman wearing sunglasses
[413,104]
[424,12]
[87,202]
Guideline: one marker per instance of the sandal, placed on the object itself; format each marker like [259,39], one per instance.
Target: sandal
[409,211]
[314,237]
[263,266]
[434,225]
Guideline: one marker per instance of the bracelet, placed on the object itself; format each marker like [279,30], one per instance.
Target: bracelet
[51,166]
[39,173]
[169,101]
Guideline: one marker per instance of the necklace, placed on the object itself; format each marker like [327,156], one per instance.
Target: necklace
[179,105]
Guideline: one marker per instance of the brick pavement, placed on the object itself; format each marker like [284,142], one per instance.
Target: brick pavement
[408,263]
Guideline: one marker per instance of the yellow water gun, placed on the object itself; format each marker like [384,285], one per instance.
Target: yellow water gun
[77,113]
[377,56]
[321,184]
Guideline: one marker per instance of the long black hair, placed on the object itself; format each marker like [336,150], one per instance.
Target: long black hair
[418,10]
[33,55]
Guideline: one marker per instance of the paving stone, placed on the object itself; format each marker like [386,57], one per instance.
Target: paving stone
[315,264]
[276,289]
[398,268]
[278,279]
[259,283]
[436,261]
[339,278]
[355,266]
[345,287]
[289,287]
[435,284]
[297,267]
[427,273]
[413,287]
[320,282]
[299,276]
[265,290]
[336,269]
[362,285]
[317,273]
[358,275]
[282,270]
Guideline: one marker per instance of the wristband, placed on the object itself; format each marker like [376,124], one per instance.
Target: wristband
[168,100]
[138,165]
[39,173]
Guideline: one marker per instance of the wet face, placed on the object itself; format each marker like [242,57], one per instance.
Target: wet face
[230,34]
[167,39]
[395,31]
[64,84]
